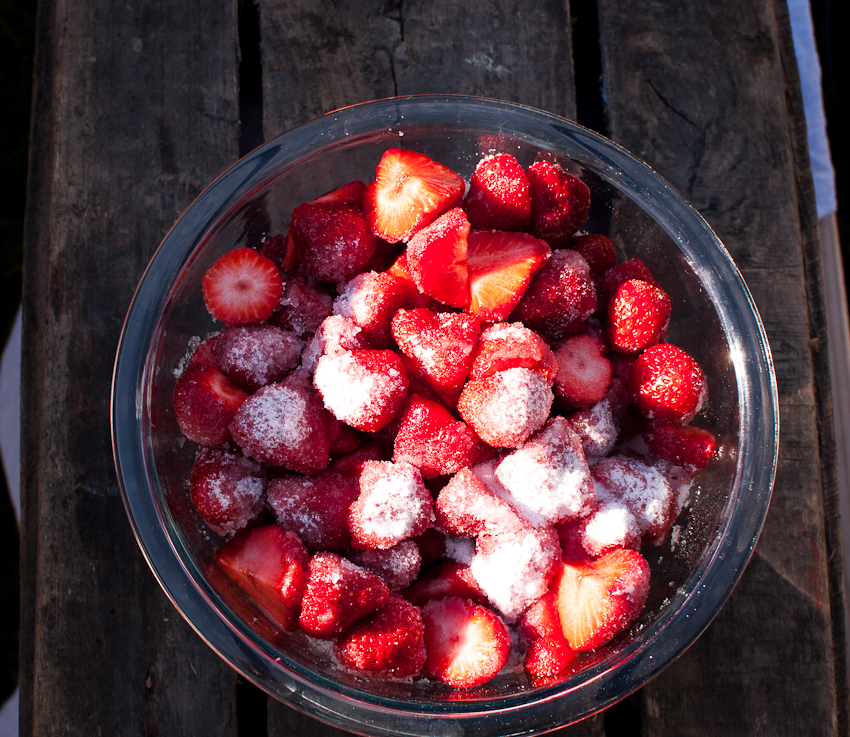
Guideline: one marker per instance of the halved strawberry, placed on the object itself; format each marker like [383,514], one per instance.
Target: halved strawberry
[584,374]
[638,316]
[512,345]
[436,259]
[467,644]
[667,383]
[682,445]
[347,194]
[270,565]
[205,401]
[560,203]
[548,651]
[498,196]
[410,190]
[501,266]
[599,598]
[242,287]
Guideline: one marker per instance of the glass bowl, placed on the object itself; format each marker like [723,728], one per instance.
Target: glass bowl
[714,319]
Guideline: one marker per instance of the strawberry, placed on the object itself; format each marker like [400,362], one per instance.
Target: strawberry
[347,194]
[203,355]
[335,336]
[498,196]
[205,402]
[467,644]
[270,565]
[337,594]
[501,266]
[449,578]
[668,385]
[584,374]
[611,280]
[638,316]
[412,297]
[597,249]
[431,439]
[352,464]
[611,525]
[436,259]
[371,299]
[279,249]
[597,428]
[303,307]
[560,203]
[409,191]
[387,644]
[397,566]
[440,346]
[599,598]
[548,651]
[682,445]
[511,345]
[242,287]
[256,355]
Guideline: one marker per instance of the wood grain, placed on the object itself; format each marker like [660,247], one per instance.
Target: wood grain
[135,111]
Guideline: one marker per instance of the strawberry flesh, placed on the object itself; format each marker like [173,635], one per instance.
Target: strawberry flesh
[242,287]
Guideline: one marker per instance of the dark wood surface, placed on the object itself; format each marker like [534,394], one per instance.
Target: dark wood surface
[137,108]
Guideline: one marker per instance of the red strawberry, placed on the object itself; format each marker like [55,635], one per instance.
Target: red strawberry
[598,598]
[387,644]
[352,463]
[347,194]
[203,355]
[467,507]
[270,565]
[205,402]
[242,287]
[584,374]
[371,299]
[511,345]
[335,336]
[501,266]
[611,280]
[398,566]
[498,196]
[612,525]
[467,644]
[343,439]
[303,307]
[440,345]
[682,445]
[560,203]
[436,259]
[668,385]
[431,439]
[548,651]
[410,190]
[337,594]
[597,249]
[334,241]
[413,298]
[449,578]
[638,316]
[228,490]
[279,249]
[256,355]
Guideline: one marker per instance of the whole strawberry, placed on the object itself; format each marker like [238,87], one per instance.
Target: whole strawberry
[560,203]
[498,196]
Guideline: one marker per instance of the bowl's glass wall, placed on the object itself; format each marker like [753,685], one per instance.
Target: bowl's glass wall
[713,319]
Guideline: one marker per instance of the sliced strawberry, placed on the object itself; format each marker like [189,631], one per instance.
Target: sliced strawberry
[387,644]
[413,298]
[242,287]
[337,594]
[205,402]
[434,441]
[467,644]
[668,384]
[498,196]
[440,345]
[511,345]
[397,566]
[449,578]
[584,374]
[560,203]
[270,565]
[599,598]
[501,266]
[203,354]
[437,256]
[548,651]
[256,355]
[334,240]
[638,316]
[410,190]
[597,249]
[682,445]
[347,194]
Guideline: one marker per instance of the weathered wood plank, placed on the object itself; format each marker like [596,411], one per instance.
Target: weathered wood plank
[702,98]
[135,111]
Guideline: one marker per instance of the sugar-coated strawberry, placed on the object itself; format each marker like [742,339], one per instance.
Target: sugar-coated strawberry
[409,191]
[387,644]
[468,507]
[352,463]
[393,505]
[434,441]
[467,644]
[498,196]
[512,345]
[634,268]
[668,385]
[599,598]
[347,194]
[228,489]
[336,335]
[441,345]
[611,525]
[560,298]
[507,407]
[364,389]
[256,355]
[560,203]
[548,650]
[682,445]
[334,240]
[597,249]
[242,287]
[570,535]
[303,306]
[315,508]
[337,594]
[638,316]
[436,259]
[448,578]
[284,424]
[596,427]
[501,266]
[584,374]
[371,299]
[205,402]
[270,565]
[398,566]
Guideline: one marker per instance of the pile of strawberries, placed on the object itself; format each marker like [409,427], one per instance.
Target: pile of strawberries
[413,424]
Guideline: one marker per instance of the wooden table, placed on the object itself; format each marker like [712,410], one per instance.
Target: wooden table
[138,106]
